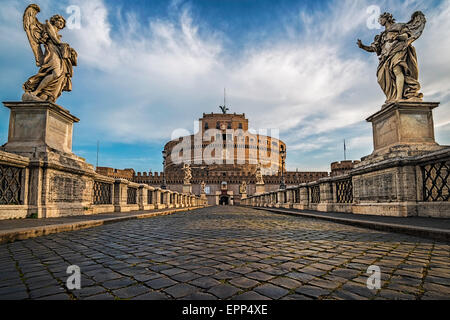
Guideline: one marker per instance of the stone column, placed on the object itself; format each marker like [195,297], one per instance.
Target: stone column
[260,188]
[280,195]
[166,198]
[120,195]
[304,198]
[326,196]
[157,195]
[287,203]
[177,200]
[142,197]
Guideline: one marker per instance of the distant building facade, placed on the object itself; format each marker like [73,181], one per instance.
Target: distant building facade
[222,155]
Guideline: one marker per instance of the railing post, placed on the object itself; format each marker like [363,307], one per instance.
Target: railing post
[165,198]
[326,196]
[279,199]
[304,197]
[150,197]
[183,201]
[142,197]
[120,194]
[158,204]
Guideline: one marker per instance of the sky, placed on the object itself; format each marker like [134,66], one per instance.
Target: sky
[148,68]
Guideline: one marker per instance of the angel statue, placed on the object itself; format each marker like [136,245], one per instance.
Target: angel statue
[56,64]
[203,187]
[243,187]
[187,173]
[398,71]
[258,174]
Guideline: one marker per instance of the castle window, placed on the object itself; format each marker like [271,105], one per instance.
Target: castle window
[217,125]
[229,125]
[206,126]
[240,125]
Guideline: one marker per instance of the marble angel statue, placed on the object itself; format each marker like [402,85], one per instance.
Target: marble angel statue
[56,62]
[398,71]
[187,173]
[259,175]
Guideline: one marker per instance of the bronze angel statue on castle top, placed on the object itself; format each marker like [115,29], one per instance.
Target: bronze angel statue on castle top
[398,71]
[55,63]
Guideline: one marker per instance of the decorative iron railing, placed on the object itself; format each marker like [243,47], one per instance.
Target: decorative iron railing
[315,194]
[344,191]
[149,197]
[10,185]
[102,193]
[131,196]
[436,184]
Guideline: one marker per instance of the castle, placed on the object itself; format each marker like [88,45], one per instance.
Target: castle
[234,155]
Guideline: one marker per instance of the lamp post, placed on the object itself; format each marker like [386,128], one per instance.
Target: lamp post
[163,186]
[283,158]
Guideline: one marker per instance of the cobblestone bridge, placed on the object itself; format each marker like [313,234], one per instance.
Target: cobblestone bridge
[225,253]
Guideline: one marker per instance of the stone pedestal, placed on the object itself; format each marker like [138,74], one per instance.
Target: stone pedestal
[402,129]
[187,189]
[260,189]
[389,181]
[39,127]
[204,199]
[60,182]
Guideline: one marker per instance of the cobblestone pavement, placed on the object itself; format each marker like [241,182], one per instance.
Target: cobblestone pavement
[225,253]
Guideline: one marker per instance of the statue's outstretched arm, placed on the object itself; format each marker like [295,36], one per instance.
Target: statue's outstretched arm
[364,47]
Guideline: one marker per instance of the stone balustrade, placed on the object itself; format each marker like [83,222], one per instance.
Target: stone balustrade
[21,196]
[415,186]
[14,186]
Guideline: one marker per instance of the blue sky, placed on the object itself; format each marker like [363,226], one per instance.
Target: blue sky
[147,68]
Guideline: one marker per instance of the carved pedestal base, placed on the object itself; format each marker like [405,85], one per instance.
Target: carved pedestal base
[402,129]
[187,189]
[60,183]
[39,127]
[260,189]
[390,181]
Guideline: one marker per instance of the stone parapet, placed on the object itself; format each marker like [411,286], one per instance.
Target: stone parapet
[403,187]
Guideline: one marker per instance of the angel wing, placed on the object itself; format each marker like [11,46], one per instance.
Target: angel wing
[34,30]
[416,25]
